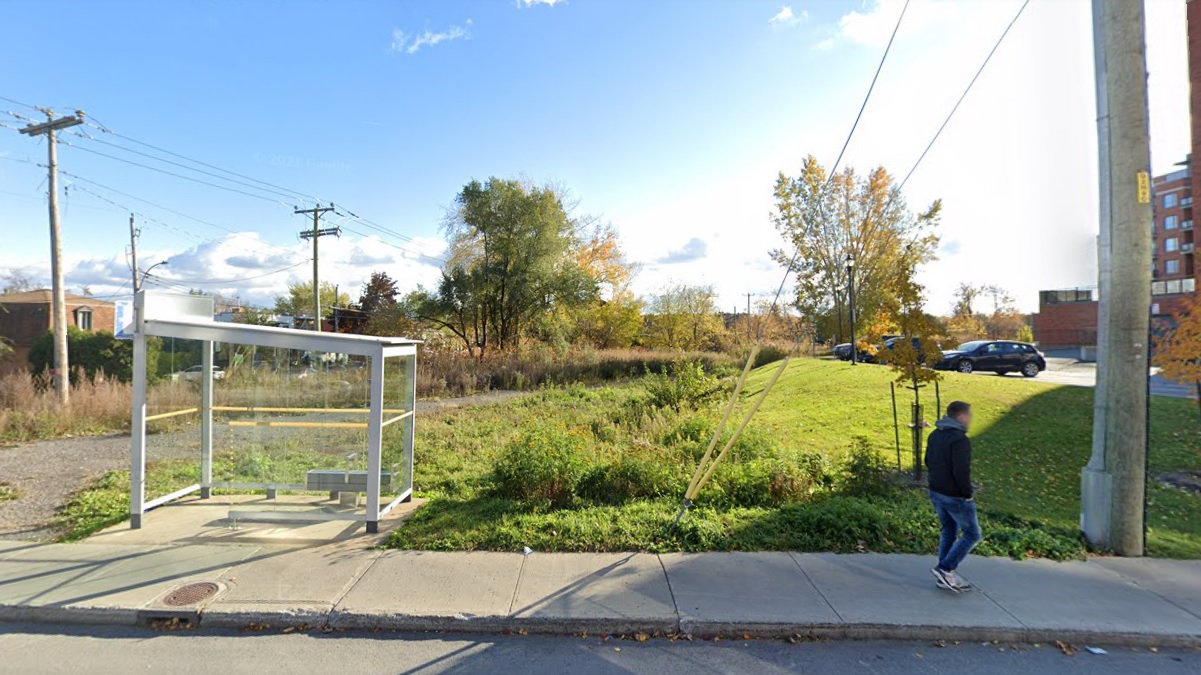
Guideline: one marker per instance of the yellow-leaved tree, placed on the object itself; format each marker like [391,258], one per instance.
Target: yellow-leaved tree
[1178,351]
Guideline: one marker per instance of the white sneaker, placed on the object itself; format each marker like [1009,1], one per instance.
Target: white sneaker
[956,582]
[940,579]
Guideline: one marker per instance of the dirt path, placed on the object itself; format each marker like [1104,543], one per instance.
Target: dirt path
[45,474]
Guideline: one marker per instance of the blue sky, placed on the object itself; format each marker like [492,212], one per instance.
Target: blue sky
[669,119]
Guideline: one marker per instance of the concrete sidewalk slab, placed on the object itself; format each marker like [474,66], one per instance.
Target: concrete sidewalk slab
[305,576]
[1177,581]
[898,590]
[427,590]
[1076,595]
[69,582]
[738,592]
[9,547]
[623,592]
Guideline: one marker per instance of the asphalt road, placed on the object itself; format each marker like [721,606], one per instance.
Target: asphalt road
[1072,372]
[50,649]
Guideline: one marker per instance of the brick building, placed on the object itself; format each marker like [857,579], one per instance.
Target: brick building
[26,317]
[1069,318]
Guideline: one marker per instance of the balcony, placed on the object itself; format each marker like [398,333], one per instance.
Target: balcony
[1186,225]
[1187,201]
[1187,248]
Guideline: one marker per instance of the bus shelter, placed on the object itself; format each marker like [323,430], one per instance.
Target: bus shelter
[283,424]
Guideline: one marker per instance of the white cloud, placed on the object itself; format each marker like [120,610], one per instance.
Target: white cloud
[410,44]
[873,25]
[531,3]
[786,17]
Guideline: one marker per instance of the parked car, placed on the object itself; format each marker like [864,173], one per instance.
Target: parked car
[842,352]
[998,356]
[194,373]
[928,358]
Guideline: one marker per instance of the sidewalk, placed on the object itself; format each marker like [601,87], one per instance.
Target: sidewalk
[1135,602]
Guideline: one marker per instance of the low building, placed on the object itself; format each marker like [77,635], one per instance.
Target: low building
[26,317]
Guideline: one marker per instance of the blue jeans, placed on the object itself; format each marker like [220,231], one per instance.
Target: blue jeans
[956,515]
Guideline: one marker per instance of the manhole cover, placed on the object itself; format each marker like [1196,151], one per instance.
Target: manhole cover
[191,594]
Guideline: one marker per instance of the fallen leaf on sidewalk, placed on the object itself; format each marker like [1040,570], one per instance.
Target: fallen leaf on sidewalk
[642,637]
[1067,649]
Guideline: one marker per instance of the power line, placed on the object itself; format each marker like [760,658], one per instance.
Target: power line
[173,211]
[288,195]
[172,173]
[233,281]
[964,94]
[871,87]
[106,130]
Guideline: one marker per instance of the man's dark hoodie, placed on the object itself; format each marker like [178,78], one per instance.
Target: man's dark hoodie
[949,459]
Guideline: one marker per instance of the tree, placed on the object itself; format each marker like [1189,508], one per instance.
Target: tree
[614,317]
[299,300]
[379,294]
[1178,350]
[969,322]
[15,281]
[823,220]
[94,354]
[684,317]
[510,265]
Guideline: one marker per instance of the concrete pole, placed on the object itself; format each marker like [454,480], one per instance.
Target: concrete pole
[1113,484]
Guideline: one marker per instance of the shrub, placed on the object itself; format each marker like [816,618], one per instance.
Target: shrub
[639,474]
[839,524]
[864,473]
[768,481]
[544,464]
[687,386]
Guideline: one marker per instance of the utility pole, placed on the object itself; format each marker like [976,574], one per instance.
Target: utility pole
[1113,484]
[316,233]
[749,335]
[133,255]
[62,365]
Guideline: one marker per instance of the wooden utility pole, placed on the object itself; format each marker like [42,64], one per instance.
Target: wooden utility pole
[62,365]
[316,233]
[749,335]
[133,254]
[1113,484]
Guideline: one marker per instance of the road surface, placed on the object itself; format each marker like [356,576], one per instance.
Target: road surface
[72,650]
[1062,370]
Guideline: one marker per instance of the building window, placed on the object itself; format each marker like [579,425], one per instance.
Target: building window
[1171,244]
[1170,222]
[83,318]
[1171,267]
[1155,308]
[1169,200]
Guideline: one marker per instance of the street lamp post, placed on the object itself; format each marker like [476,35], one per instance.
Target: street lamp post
[147,273]
[850,262]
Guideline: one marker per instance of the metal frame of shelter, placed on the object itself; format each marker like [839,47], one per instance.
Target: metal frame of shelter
[185,317]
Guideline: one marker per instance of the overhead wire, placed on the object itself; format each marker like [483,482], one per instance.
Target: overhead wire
[709,463]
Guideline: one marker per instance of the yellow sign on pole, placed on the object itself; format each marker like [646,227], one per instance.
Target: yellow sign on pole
[1144,187]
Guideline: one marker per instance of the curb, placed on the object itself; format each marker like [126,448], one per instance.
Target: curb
[275,618]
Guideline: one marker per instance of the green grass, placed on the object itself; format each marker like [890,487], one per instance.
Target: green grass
[8,492]
[616,470]
[1031,439]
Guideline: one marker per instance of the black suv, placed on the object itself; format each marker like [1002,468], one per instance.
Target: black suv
[998,356]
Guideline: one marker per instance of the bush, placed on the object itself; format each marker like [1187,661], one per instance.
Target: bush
[544,464]
[768,481]
[94,354]
[838,524]
[687,386]
[864,474]
[640,474]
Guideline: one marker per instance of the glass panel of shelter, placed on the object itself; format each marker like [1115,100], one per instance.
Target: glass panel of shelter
[290,433]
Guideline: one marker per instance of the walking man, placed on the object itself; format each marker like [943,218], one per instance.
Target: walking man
[949,466]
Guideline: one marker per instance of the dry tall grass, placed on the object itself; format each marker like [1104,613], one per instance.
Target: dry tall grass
[29,410]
